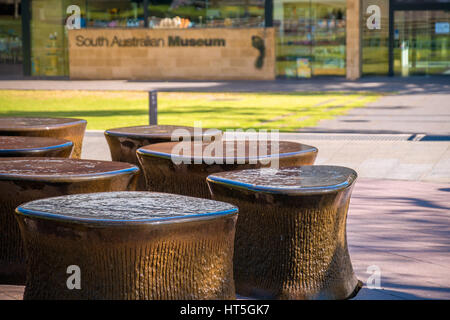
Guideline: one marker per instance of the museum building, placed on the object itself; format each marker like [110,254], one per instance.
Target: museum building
[223,39]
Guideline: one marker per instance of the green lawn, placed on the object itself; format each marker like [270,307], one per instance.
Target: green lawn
[106,109]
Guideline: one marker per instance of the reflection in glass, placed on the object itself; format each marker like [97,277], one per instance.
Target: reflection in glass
[49,49]
[328,35]
[115,13]
[310,37]
[421,42]
[419,1]
[375,42]
[203,13]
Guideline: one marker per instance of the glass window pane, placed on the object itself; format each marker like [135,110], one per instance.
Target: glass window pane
[49,49]
[421,45]
[293,38]
[237,13]
[115,13]
[177,14]
[328,37]
[10,39]
[209,14]
[375,40]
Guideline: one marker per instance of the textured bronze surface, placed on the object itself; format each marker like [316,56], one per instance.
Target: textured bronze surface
[163,175]
[19,146]
[123,142]
[129,245]
[291,240]
[26,179]
[62,128]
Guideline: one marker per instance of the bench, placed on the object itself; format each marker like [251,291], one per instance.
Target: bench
[26,179]
[291,233]
[128,246]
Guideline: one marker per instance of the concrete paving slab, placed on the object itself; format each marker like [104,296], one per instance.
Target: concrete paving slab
[397,159]
[404,229]
[426,113]
[376,167]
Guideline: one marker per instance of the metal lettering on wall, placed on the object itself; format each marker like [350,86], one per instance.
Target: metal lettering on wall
[74,20]
[172,41]
[375,37]
[374,21]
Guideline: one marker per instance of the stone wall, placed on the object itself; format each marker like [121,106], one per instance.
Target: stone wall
[172,54]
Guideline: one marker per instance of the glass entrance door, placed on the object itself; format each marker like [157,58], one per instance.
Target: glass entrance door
[421,42]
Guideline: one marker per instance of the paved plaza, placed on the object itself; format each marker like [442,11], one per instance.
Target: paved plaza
[410,85]
[399,216]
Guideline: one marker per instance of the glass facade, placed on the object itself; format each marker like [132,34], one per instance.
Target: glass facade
[421,42]
[375,38]
[49,48]
[411,39]
[177,14]
[407,2]
[418,33]
[11,56]
[310,37]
